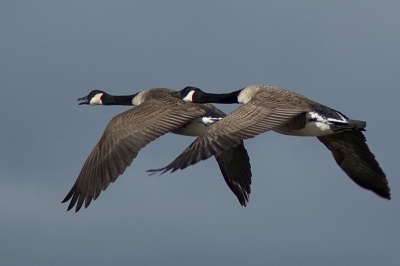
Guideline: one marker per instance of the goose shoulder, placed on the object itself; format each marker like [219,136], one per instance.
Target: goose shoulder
[270,96]
[161,94]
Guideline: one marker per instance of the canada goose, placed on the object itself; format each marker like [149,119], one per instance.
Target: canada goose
[155,114]
[269,108]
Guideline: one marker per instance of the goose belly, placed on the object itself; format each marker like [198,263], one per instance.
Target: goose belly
[311,129]
[196,127]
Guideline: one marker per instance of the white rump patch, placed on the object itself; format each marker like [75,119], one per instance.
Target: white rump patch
[328,119]
[343,119]
[318,128]
[189,97]
[321,127]
[314,115]
[96,100]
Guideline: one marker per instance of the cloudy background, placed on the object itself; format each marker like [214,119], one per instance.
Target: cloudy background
[303,209]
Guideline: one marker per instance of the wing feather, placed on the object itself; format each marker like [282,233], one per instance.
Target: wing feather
[353,155]
[234,164]
[123,138]
[245,122]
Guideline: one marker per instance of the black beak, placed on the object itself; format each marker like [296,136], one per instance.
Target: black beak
[176,94]
[83,100]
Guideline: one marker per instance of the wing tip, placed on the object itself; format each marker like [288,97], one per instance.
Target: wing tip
[385,194]
[161,171]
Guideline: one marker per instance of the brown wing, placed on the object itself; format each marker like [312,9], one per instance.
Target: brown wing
[245,122]
[352,154]
[125,135]
[235,167]
[234,163]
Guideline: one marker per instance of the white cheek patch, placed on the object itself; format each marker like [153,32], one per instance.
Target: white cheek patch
[189,97]
[96,100]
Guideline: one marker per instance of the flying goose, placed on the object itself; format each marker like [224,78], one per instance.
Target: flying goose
[270,108]
[155,113]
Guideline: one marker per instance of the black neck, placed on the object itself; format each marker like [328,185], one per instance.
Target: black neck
[118,100]
[204,97]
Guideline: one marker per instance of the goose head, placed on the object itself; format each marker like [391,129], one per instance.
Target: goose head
[195,95]
[188,94]
[98,97]
[95,97]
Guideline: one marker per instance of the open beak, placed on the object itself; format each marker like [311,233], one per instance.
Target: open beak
[83,100]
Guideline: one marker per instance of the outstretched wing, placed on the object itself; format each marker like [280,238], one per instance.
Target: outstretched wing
[352,154]
[125,135]
[235,167]
[245,122]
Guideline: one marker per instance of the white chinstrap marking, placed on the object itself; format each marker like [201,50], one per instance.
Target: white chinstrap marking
[96,100]
[189,97]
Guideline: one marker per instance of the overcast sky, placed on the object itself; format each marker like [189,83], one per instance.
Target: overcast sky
[303,209]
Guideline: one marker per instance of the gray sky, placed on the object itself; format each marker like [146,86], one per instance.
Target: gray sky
[303,209]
